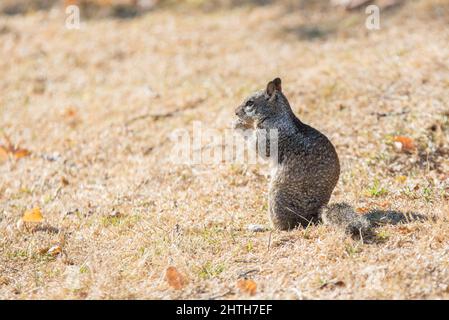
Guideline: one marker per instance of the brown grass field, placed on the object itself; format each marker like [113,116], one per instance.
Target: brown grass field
[95,108]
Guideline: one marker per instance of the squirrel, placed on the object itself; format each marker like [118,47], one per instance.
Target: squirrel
[306,169]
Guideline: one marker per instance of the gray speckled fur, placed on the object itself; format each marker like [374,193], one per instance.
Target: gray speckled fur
[344,216]
[307,169]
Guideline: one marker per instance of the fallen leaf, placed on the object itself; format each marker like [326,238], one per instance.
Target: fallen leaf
[404,229]
[54,250]
[70,2]
[43,250]
[64,181]
[70,113]
[384,205]
[4,281]
[33,215]
[401,179]
[71,116]
[404,143]
[362,210]
[20,153]
[10,149]
[247,286]
[174,278]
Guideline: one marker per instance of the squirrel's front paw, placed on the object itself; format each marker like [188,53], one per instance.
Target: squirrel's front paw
[241,125]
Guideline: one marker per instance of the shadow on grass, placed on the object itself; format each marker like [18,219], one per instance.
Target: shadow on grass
[378,218]
[11,8]
[311,32]
[88,8]
[383,217]
[46,229]
[323,21]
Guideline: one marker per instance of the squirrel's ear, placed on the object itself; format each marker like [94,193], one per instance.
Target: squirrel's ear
[274,85]
[270,88]
[277,84]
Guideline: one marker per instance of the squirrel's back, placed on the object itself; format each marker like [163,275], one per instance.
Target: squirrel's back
[307,173]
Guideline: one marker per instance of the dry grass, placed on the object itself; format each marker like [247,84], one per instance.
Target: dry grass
[123,214]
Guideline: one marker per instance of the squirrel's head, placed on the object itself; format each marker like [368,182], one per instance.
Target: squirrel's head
[261,105]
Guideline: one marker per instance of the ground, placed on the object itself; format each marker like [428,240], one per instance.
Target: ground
[96,107]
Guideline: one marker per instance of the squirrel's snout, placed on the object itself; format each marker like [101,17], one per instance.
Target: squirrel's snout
[238,111]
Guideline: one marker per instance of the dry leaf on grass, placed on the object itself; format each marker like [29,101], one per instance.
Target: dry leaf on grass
[71,116]
[10,149]
[247,286]
[174,278]
[55,250]
[20,153]
[70,2]
[4,281]
[70,112]
[405,229]
[401,179]
[52,251]
[402,143]
[362,210]
[33,215]
[371,206]
[384,205]
[64,181]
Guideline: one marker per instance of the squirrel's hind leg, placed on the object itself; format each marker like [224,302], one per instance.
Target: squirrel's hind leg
[286,215]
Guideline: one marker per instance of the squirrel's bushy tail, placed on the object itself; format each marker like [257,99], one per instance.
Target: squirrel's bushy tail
[344,216]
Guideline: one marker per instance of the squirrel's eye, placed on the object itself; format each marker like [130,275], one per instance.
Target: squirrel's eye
[249,103]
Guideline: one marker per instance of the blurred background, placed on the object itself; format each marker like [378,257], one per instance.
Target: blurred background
[130,8]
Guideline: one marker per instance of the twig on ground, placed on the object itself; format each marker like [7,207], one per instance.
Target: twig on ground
[389,114]
[155,116]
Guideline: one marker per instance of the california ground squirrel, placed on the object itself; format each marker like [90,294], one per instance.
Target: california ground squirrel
[306,169]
